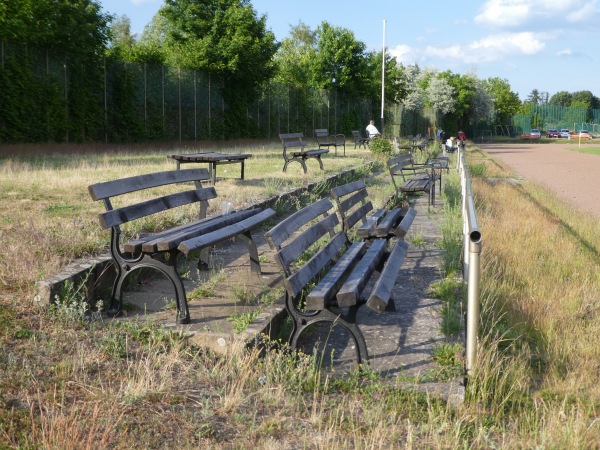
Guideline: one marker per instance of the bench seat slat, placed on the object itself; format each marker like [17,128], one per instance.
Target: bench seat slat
[369,228]
[125,214]
[405,223]
[227,232]
[349,293]
[390,220]
[325,291]
[135,245]
[170,239]
[382,291]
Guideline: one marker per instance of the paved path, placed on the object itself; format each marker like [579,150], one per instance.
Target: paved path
[572,175]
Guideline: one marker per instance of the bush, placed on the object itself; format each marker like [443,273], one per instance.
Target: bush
[380,146]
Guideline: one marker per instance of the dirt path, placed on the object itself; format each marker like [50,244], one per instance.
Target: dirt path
[571,175]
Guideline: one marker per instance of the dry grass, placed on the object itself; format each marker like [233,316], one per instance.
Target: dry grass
[72,384]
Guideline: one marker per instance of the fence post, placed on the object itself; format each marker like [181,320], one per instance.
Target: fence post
[471,261]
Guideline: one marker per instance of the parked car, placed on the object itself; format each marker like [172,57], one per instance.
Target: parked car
[582,134]
[553,134]
[565,133]
[535,133]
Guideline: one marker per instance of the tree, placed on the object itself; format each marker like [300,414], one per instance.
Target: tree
[221,37]
[535,97]
[440,96]
[561,98]
[296,55]
[465,91]
[339,61]
[584,97]
[227,40]
[506,103]
[72,32]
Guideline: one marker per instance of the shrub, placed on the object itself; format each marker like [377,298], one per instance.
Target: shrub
[380,146]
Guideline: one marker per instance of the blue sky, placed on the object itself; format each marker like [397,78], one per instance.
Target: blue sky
[549,45]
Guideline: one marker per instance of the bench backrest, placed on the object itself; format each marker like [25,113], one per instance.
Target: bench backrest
[292,140]
[321,132]
[398,164]
[113,217]
[352,203]
[356,134]
[297,235]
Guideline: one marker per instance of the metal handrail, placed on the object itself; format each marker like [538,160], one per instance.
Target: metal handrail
[472,243]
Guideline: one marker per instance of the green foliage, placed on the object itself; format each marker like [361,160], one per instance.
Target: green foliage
[381,146]
[241,321]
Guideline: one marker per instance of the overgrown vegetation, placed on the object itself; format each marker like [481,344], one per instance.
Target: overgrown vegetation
[71,383]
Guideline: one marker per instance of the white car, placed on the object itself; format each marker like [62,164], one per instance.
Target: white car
[535,133]
[565,133]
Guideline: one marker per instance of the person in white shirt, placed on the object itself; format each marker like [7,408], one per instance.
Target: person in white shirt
[372,130]
[450,144]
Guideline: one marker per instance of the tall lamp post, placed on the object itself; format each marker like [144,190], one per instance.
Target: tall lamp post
[383,78]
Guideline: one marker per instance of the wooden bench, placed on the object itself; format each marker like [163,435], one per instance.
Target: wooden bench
[332,285]
[324,139]
[359,140]
[294,142]
[415,177]
[160,250]
[358,215]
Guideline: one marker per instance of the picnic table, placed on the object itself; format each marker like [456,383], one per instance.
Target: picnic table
[213,160]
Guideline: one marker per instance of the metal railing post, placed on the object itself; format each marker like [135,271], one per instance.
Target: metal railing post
[471,262]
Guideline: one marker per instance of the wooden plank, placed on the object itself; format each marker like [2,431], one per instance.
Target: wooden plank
[127,213]
[405,223]
[281,232]
[135,245]
[382,291]
[227,232]
[391,219]
[349,293]
[306,239]
[345,189]
[368,229]
[325,291]
[296,282]
[169,241]
[106,189]
[357,215]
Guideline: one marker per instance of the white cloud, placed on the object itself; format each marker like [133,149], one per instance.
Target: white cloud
[491,48]
[512,13]
[403,53]
[565,52]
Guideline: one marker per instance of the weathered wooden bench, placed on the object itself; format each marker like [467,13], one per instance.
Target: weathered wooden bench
[324,139]
[360,140]
[415,177]
[358,215]
[293,150]
[160,250]
[333,284]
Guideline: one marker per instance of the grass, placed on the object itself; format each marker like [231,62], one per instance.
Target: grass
[68,382]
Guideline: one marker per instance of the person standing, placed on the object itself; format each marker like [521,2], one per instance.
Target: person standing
[462,139]
[372,130]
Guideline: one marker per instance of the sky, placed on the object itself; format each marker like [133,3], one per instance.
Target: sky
[548,45]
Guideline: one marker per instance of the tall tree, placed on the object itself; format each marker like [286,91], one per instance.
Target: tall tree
[296,55]
[340,60]
[506,102]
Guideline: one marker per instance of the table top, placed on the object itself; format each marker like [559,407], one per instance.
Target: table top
[210,156]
